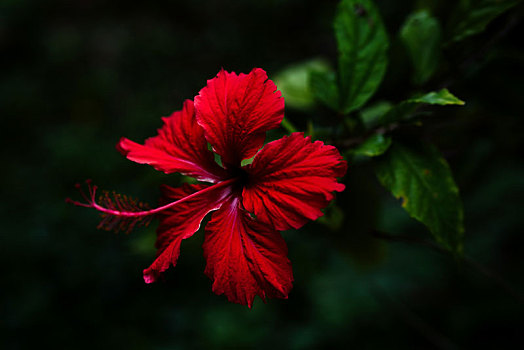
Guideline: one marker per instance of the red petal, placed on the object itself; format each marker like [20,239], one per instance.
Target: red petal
[181,222]
[179,147]
[291,179]
[245,257]
[236,111]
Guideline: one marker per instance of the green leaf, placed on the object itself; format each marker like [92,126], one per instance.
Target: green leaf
[472,17]
[442,97]
[405,109]
[421,177]
[421,34]
[324,88]
[374,146]
[371,115]
[294,83]
[362,45]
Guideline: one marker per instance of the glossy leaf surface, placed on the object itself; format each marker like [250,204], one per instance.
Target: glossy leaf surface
[421,177]
[373,146]
[405,109]
[362,45]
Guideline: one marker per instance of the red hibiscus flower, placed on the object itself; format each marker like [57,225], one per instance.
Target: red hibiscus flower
[286,185]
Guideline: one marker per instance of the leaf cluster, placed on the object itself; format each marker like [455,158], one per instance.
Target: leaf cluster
[409,166]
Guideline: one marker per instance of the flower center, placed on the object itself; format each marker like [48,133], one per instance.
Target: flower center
[242,177]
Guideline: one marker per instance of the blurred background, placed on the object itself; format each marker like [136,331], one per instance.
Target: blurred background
[78,75]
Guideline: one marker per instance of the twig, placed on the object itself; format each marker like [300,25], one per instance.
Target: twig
[490,274]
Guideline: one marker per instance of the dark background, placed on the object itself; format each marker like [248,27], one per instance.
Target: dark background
[78,75]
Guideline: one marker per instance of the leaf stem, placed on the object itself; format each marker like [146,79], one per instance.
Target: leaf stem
[286,124]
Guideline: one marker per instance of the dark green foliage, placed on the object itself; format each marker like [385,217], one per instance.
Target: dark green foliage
[325,89]
[406,109]
[362,47]
[421,34]
[423,180]
[373,146]
[472,16]
[421,177]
